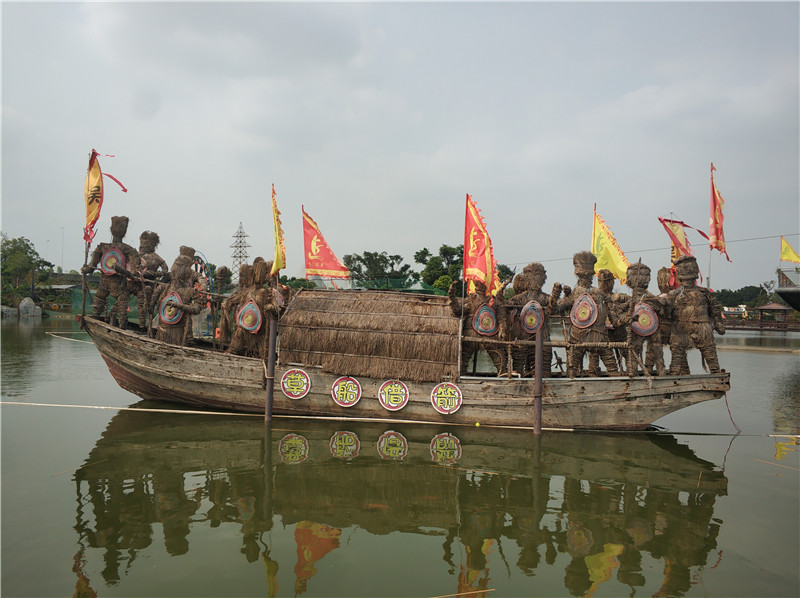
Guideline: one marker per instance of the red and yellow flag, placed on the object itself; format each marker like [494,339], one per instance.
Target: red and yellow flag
[279,261]
[320,259]
[606,250]
[479,262]
[716,236]
[93,196]
[787,253]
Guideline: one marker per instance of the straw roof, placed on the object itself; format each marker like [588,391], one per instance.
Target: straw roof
[376,334]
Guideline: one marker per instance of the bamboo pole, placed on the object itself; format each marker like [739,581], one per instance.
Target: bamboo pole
[270,377]
[537,376]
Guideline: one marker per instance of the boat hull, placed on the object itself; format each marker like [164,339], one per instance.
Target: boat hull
[209,379]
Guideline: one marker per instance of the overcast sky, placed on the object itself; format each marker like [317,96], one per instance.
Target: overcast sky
[380,117]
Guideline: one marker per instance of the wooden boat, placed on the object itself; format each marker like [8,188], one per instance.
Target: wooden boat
[385,356]
[204,479]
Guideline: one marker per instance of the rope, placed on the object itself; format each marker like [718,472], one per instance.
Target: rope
[74,340]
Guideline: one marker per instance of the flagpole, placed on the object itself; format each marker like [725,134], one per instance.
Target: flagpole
[710,249]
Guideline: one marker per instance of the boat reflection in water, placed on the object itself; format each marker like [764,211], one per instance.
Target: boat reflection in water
[592,504]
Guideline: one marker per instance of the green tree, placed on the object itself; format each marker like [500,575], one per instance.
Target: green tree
[379,270]
[18,259]
[449,262]
[297,283]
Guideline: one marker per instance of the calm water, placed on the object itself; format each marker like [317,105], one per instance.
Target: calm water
[115,502]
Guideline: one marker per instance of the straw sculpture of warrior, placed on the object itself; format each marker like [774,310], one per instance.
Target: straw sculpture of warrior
[644,311]
[150,264]
[617,306]
[484,317]
[177,303]
[232,304]
[588,312]
[654,355]
[527,317]
[257,306]
[115,260]
[695,317]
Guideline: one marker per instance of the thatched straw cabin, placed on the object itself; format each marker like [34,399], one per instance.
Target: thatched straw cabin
[376,334]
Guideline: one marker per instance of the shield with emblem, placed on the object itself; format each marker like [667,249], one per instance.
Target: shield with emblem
[112,257]
[584,312]
[647,322]
[485,321]
[249,317]
[531,317]
[169,314]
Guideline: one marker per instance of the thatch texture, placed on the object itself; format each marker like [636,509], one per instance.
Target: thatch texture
[377,334]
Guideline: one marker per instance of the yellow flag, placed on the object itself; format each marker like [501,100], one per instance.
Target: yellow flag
[279,261]
[787,253]
[606,250]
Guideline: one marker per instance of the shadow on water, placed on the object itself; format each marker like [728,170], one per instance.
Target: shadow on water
[590,505]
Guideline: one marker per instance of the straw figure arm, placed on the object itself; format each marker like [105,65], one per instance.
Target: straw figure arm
[714,311]
[456,303]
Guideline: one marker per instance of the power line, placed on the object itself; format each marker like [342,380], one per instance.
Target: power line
[562,259]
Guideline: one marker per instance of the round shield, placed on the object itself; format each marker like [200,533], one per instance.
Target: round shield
[485,321]
[531,317]
[584,312]
[111,258]
[169,314]
[647,322]
[249,317]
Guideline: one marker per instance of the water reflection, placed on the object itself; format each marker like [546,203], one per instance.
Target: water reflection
[593,505]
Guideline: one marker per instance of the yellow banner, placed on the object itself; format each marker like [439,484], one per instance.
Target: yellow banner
[93,196]
[606,250]
[787,253]
[279,261]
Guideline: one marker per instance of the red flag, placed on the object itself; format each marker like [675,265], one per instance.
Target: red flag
[479,262]
[716,236]
[320,259]
[680,242]
[93,195]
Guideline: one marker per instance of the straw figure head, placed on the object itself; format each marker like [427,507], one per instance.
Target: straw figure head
[148,241]
[181,270]
[584,262]
[260,272]
[520,284]
[638,277]
[536,274]
[686,269]
[605,281]
[119,227]
[245,274]
[663,276]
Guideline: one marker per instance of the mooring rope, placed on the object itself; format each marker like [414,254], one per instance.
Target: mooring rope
[74,340]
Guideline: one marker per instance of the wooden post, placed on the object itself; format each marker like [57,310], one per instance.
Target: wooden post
[537,376]
[273,334]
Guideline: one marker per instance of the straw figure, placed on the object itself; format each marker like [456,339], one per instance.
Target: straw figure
[588,312]
[257,305]
[150,264]
[115,260]
[528,287]
[176,304]
[654,355]
[696,315]
[640,310]
[484,316]
[231,305]
[616,320]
